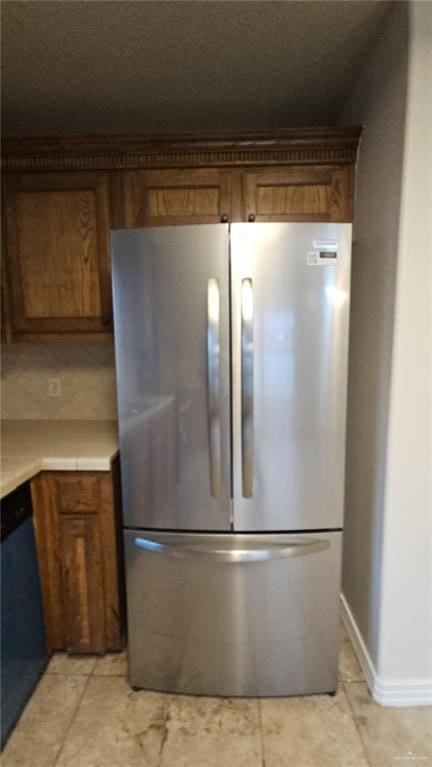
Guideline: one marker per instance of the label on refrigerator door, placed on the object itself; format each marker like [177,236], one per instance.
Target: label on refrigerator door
[326,246]
[321,257]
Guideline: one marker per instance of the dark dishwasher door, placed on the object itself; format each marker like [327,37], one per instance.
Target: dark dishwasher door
[23,645]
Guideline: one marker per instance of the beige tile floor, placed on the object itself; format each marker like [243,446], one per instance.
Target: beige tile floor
[84,714]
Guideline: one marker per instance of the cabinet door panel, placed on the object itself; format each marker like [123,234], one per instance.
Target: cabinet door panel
[77,494]
[78,551]
[83,590]
[192,196]
[57,252]
[63,223]
[305,193]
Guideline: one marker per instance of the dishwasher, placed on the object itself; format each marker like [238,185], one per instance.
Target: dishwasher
[24,652]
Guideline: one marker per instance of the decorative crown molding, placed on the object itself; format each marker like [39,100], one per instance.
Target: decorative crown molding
[294,147]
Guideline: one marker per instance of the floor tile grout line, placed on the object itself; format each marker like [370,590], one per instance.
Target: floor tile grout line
[57,757]
[67,673]
[355,721]
[109,676]
[102,657]
[97,676]
[78,658]
[167,718]
[263,764]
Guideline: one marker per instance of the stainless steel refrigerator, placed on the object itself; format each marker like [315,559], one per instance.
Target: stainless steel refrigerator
[231,354]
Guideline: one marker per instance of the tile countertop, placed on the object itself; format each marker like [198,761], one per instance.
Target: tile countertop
[29,447]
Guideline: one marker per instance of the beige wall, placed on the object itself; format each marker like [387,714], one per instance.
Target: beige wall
[388,544]
[378,103]
[405,647]
[86,373]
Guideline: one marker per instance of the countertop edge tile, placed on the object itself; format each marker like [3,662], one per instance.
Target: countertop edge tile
[57,463]
[56,440]
[10,481]
[93,464]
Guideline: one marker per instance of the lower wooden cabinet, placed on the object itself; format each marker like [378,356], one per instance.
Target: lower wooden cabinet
[76,516]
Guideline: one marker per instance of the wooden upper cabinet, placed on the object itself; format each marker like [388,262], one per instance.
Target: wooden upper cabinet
[302,193]
[62,196]
[57,242]
[185,196]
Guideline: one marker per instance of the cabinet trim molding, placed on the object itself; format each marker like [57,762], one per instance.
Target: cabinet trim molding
[291,147]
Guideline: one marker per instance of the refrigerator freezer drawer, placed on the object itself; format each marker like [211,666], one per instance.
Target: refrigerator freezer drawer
[233,614]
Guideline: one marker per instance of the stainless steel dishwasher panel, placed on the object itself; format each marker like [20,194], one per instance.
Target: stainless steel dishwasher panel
[233,614]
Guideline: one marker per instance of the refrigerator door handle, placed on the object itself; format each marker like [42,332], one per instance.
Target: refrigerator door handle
[246,554]
[214,385]
[247,350]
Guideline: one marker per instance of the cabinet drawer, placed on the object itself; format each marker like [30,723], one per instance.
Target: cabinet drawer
[204,623]
[77,495]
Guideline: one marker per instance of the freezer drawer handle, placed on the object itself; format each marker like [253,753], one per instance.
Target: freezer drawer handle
[191,551]
[247,350]
[214,382]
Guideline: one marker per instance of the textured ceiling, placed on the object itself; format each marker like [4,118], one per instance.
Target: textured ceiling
[160,67]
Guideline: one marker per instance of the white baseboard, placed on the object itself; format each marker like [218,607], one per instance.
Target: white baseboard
[388,692]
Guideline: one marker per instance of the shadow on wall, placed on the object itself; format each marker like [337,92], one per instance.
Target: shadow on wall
[378,101]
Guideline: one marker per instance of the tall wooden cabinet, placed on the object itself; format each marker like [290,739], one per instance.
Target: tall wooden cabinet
[76,519]
[62,196]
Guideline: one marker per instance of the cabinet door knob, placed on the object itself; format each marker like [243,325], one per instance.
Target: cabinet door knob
[224,218]
[106,320]
[251,217]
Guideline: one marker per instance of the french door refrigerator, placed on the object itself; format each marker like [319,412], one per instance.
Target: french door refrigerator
[231,354]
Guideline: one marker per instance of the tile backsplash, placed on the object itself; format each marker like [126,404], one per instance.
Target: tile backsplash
[85,372]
